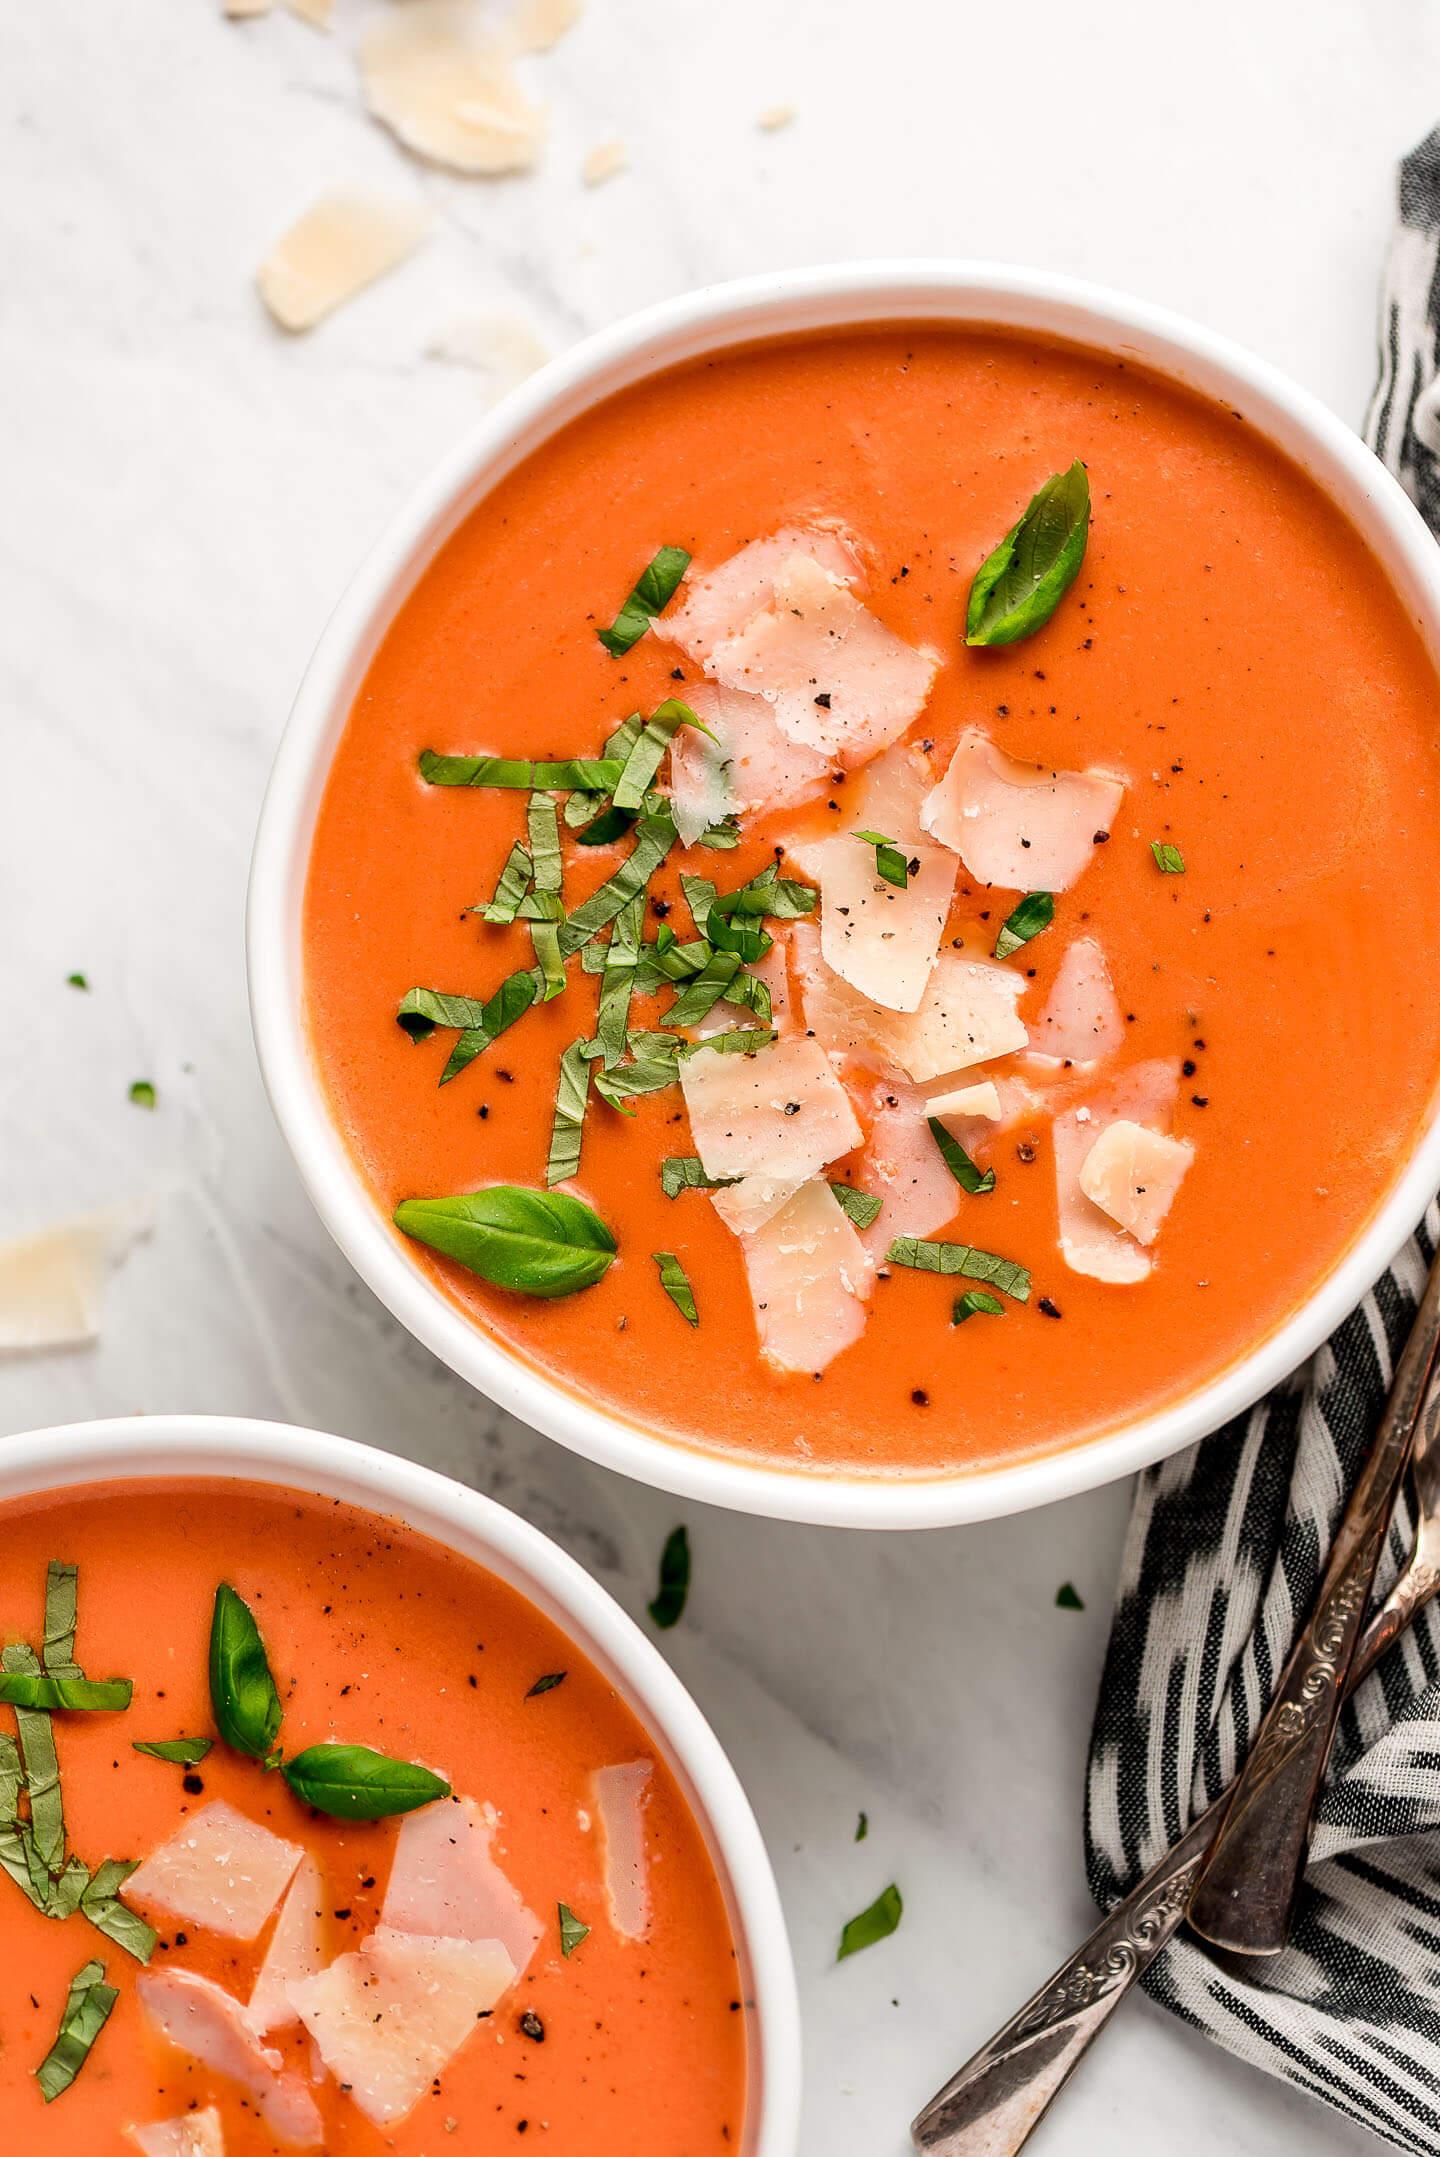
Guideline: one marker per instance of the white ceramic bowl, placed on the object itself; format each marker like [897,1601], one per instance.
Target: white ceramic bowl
[283,1457]
[702,322]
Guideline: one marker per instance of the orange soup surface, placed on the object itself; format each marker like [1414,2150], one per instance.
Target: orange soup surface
[375,1637]
[1230,661]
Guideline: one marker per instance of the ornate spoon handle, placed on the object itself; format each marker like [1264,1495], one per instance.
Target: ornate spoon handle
[995,2102]
[1244,1897]
[990,2108]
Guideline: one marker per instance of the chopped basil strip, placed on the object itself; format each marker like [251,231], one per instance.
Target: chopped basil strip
[863,1207]
[243,1696]
[582,805]
[651,593]
[87,2010]
[75,1696]
[668,1605]
[617,984]
[1035,912]
[511,889]
[607,827]
[595,774]
[699,895]
[974,1300]
[1168,859]
[180,1752]
[753,994]
[142,1093]
[686,1172]
[722,836]
[890,863]
[516,993]
[18,1856]
[353,1783]
[571,1101]
[770,893]
[962,1258]
[862,1827]
[539,1243]
[572,1932]
[100,1903]
[1019,586]
[739,1041]
[645,758]
[62,1590]
[76,981]
[544,832]
[627,1081]
[41,1765]
[676,1283]
[422,1010]
[876,1923]
[701,995]
[744,938]
[1067,1597]
[547,1684]
[958,1161]
[654,837]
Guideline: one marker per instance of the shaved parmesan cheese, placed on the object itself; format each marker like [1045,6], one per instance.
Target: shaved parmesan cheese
[1133,1175]
[749,766]
[536,25]
[295,1950]
[721,603]
[241,10]
[603,162]
[1018,825]
[838,679]
[772,1119]
[448,93]
[905,1169]
[809,1276]
[319,13]
[966,1016]
[1090,1240]
[50,1282]
[1082,1020]
[444,1881]
[343,242]
[880,937]
[888,792]
[201,2019]
[501,347]
[218,1870]
[620,1794]
[193,2134]
[982,1100]
[390,2017]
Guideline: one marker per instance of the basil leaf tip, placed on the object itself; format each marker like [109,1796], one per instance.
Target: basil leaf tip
[1067,1597]
[572,1931]
[876,1923]
[1018,587]
[142,1093]
[676,1283]
[668,1605]
[353,1782]
[1035,912]
[538,1243]
[1168,859]
[969,1177]
[243,1696]
[180,1752]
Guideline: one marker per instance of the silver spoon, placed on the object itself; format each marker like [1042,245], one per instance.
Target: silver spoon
[992,2106]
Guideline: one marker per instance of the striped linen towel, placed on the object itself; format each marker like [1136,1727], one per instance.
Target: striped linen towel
[1221,1566]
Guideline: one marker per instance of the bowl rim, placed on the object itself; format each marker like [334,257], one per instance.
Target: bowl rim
[712,318]
[480,1529]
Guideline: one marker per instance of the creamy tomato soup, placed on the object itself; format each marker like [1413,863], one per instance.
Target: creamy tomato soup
[539,1949]
[1024,780]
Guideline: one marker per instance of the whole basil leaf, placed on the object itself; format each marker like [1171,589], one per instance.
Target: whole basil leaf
[1019,586]
[243,1698]
[540,1243]
[354,1783]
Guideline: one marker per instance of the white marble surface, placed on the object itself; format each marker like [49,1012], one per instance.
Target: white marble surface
[185,492]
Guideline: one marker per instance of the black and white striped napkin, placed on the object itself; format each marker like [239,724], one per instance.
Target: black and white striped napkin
[1221,1567]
